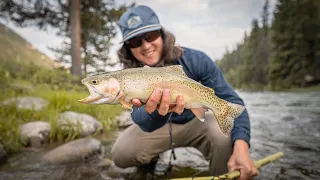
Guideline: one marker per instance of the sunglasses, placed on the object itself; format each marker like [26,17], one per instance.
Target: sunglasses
[137,41]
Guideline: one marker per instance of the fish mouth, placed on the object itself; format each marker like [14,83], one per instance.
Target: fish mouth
[91,99]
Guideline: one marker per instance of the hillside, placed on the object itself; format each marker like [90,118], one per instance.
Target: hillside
[17,50]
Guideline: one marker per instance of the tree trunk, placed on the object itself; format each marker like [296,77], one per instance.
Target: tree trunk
[74,6]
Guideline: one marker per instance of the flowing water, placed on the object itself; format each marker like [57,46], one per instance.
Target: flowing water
[286,122]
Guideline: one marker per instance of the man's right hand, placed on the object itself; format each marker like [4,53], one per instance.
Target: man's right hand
[161,100]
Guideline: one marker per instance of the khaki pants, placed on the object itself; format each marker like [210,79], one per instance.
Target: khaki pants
[135,147]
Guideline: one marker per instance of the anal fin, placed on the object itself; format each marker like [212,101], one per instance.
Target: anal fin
[199,113]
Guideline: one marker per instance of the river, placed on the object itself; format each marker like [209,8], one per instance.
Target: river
[286,122]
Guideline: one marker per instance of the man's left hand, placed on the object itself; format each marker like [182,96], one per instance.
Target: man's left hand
[240,160]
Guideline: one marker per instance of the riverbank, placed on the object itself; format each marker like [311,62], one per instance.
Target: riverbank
[315,88]
[58,101]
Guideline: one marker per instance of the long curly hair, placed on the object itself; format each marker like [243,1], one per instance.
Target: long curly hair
[170,52]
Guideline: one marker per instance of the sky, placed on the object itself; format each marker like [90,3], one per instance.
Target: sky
[207,25]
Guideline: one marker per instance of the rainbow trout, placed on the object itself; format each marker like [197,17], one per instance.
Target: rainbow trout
[124,85]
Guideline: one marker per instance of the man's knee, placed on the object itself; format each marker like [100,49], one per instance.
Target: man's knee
[129,157]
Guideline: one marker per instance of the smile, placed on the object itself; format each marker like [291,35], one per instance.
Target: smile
[149,53]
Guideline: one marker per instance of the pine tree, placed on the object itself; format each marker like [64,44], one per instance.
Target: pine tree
[294,37]
[252,60]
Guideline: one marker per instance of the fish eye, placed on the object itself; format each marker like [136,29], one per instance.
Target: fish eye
[94,82]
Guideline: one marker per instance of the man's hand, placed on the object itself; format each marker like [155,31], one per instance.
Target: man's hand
[240,160]
[161,100]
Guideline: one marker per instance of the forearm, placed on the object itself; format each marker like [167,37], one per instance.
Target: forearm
[241,129]
[241,146]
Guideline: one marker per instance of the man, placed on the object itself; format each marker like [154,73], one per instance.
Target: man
[147,43]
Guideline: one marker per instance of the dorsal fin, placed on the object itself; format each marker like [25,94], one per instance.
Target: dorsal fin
[177,69]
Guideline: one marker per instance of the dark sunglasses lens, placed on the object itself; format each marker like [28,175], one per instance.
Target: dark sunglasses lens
[137,41]
[151,36]
[134,42]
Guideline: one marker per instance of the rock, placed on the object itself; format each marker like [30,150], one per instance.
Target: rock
[185,157]
[83,123]
[80,150]
[124,119]
[35,133]
[32,103]
[3,155]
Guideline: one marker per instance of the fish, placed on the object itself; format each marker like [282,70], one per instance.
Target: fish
[121,86]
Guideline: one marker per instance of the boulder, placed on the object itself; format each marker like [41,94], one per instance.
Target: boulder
[124,119]
[35,133]
[80,150]
[83,123]
[32,103]
[185,157]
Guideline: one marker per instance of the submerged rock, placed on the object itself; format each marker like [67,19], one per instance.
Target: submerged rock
[32,103]
[185,157]
[3,155]
[83,123]
[80,150]
[35,133]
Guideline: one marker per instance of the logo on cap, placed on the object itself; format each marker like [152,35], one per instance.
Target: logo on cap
[134,22]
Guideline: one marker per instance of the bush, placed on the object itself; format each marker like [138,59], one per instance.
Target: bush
[57,79]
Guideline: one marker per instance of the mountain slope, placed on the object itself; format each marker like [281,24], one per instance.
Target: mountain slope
[15,49]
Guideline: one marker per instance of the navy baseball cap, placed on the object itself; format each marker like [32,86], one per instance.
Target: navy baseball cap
[138,20]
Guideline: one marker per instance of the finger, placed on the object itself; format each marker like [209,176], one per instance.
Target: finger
[246,174]
[136,102]
[153,101]
[179,105]
[146,66]
[165,102]
[243,175]
[231,166]
[254,171]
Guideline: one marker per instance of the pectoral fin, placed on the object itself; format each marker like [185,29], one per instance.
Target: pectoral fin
[125,103]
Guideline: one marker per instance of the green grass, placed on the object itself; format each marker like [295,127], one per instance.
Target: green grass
[59,101]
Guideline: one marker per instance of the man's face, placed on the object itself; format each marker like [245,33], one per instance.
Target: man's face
[149,52]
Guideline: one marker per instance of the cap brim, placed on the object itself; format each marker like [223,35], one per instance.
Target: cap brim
[140,31]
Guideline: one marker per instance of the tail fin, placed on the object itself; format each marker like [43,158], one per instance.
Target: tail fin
[226,114]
